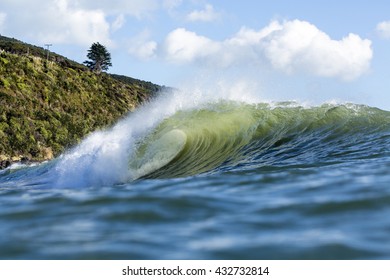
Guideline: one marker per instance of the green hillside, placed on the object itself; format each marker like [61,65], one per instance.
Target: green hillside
[47,106]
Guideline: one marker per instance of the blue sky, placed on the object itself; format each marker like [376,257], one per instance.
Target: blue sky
[309,51]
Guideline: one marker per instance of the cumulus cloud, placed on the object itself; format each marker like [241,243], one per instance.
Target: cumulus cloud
[383,29]
[206,15]
[291,47]
[59,22]
[78,22]
[142,47]
[184,46]
[135,8]
[76,25]
[298,45]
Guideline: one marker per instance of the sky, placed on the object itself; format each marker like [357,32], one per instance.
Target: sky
[309,51]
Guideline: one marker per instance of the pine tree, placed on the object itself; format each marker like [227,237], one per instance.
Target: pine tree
[100,58]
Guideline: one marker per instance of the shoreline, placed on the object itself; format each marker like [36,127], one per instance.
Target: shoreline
[7,162]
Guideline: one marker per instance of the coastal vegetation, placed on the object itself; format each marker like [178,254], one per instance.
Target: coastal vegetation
[49,103]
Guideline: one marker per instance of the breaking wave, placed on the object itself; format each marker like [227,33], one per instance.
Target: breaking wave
[231,136]
[176,136]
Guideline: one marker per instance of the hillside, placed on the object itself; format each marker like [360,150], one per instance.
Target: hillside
[47,106]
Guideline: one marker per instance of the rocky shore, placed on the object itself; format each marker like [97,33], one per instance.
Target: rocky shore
[7,161]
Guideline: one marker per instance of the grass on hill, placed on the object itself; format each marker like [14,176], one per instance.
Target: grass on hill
[48,106]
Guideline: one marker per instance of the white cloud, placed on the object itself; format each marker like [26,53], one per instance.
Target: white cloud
[291,47]
[300,46]
[118,22]
[207,15]
[247,36]
[183,46]
[147,49]
[78,22]
[78,26]
[135,8]
[171,4]
[142,47]
[383,28]
[59,22]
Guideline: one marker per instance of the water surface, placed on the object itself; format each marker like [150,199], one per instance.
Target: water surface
[220,180]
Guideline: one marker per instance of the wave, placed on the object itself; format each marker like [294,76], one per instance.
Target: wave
[176,137]
[231,136]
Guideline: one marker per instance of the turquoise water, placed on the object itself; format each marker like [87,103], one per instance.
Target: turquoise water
[213,180]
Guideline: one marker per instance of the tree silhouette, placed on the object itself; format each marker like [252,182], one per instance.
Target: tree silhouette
[100,58]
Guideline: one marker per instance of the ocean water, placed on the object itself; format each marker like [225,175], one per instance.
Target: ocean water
[209,178]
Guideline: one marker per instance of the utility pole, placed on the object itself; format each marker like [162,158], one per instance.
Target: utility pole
[47,47]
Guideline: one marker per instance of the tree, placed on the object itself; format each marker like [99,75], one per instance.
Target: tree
[100,58]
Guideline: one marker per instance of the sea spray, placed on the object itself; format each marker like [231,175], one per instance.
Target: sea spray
[103,157]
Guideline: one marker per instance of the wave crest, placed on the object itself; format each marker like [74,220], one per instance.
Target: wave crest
[232,135]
